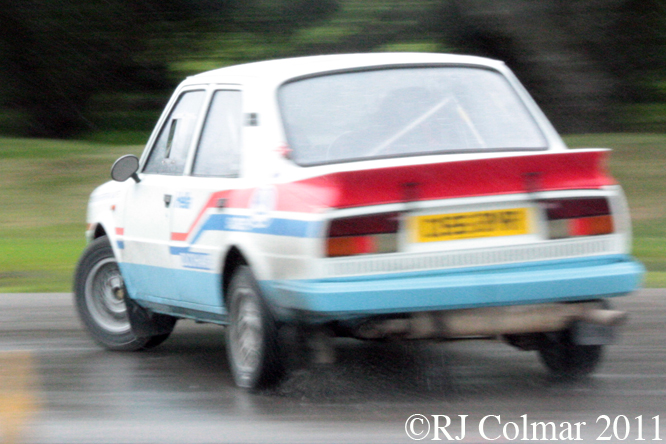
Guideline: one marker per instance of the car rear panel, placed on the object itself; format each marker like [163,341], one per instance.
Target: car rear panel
[511,229]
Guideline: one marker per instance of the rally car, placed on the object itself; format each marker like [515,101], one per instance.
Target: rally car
[372,196]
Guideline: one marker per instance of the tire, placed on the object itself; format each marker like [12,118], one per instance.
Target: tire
[253,347]
[565,359]
[156,340]
[99,293]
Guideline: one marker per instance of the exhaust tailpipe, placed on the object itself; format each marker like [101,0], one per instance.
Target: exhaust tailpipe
[490,321]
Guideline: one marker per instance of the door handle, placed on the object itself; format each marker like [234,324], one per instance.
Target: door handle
[167,200]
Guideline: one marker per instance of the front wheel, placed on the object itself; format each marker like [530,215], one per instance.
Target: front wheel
[99,293]
[566,359]
[252,336]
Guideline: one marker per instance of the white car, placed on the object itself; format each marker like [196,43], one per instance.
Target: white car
[374,196]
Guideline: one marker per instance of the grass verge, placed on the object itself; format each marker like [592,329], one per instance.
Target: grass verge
[45,186]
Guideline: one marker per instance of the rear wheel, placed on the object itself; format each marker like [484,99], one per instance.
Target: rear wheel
[252,336]
[99,293]
[566,359]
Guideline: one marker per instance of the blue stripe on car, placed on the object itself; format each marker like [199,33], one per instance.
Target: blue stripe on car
[240,223]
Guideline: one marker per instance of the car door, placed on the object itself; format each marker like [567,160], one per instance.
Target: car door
[198,214]
[147,265]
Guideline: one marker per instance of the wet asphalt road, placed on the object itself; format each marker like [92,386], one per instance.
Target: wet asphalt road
[182,391]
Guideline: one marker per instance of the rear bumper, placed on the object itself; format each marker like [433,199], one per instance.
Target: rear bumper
[515,284]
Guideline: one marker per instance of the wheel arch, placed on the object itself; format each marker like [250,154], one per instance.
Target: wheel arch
[103,215]
[233,259]
[100,229]
[97,231]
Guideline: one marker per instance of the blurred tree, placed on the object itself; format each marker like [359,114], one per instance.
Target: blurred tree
[58,54]
[363,26]
[580,59]
[583,61]
[265,29]
[279,18]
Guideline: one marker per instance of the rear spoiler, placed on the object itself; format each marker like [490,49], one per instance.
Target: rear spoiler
[511,174]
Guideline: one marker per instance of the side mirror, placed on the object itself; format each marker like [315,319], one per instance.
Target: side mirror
[124,168]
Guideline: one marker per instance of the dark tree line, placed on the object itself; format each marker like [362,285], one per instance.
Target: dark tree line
[582,60]
[57,54]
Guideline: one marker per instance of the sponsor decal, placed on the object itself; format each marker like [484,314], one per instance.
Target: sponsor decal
[184,201]
[262,204]
[198,261]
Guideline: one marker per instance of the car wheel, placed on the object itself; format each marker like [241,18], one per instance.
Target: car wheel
[99,293]
[252,336]
[566,359]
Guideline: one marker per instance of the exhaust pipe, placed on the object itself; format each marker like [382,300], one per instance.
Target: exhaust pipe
[490,321]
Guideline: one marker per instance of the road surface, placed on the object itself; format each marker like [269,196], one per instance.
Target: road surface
[57,386]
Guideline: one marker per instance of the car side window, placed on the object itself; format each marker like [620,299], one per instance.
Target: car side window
[169,153]
[219,148]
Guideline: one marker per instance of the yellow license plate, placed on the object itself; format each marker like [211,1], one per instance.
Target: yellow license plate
[492,223]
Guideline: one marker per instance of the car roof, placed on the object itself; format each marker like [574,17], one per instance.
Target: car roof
[283,69]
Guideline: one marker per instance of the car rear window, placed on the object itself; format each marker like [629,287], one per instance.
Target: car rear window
[404,111]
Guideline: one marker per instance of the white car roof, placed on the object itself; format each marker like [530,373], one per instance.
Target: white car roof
[283,69]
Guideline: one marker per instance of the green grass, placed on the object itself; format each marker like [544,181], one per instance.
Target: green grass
[45,184]
[44,188]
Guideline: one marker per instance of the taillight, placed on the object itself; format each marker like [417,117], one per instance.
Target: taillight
[350,236]
[578,217]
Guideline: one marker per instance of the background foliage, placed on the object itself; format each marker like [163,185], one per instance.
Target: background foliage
[73,67]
